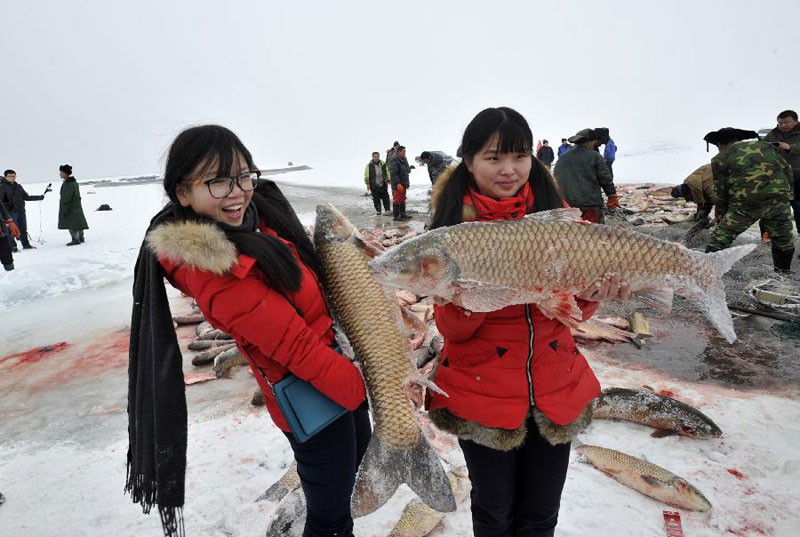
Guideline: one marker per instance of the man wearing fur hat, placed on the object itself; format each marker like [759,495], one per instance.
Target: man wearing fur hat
[752,182]
[582,173]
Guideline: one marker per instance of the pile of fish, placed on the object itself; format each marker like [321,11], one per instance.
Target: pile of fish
[212,346]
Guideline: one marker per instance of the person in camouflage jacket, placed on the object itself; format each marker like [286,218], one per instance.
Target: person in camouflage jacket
[751,183]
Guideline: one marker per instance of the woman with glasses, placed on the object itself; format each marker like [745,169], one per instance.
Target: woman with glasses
[233,243]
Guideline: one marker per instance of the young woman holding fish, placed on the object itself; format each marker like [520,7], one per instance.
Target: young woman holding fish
[518,386]
[233,243]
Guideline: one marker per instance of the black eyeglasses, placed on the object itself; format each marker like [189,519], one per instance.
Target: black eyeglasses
[221,187]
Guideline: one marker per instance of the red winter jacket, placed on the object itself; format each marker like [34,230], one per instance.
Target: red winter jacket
[497,364]
[234,297]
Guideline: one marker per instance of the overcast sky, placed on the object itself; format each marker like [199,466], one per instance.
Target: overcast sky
[105,86]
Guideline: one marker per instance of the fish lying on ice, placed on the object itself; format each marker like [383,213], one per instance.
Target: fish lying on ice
[655,410]
[370,318]
[288,482]
[418,519]
[645,477]
[548,257]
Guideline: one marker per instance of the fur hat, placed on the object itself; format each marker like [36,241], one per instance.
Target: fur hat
[66,168]
[583,135]
[728,135]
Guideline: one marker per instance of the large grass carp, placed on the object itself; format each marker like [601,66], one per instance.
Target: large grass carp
[645,477]
[648,408]
[548,257]
[370,317]
[288,482]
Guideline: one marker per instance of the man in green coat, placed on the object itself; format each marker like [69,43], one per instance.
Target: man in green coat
[70,212]
[752,182]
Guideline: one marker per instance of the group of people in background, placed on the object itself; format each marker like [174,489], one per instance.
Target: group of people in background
[750,180]
[14,220]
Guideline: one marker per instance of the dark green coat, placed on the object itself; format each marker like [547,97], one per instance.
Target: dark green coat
[70,212]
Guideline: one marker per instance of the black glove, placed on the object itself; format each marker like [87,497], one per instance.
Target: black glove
[700,215]
[412,167]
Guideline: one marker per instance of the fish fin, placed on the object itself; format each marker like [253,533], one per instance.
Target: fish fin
[660,299]
[652,481]
[480,297]
[382,470]
[561,307]
[663,433]
[722,261]
[571,214]
[279,489]
[369,249]
[714,304]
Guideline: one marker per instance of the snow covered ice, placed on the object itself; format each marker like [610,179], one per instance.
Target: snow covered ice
[63,422]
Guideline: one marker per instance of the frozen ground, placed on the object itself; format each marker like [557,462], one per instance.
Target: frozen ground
[63,423]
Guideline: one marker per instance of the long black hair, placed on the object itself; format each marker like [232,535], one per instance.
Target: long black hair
[514,136]
[213,145]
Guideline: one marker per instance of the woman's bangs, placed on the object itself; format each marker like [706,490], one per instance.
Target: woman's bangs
[513,138]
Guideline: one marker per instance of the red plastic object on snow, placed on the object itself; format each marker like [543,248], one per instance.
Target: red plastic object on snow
[672,524]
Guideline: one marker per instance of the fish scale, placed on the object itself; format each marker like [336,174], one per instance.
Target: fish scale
[370,317]
[549,257]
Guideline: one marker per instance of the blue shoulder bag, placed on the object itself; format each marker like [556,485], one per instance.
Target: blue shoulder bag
[306,409]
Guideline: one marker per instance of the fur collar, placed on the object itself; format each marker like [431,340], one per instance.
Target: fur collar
[468,213]
[508,439]
[193,244]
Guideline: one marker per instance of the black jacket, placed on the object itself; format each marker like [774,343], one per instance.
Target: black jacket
[793,139]
[398,170]
[581,173]
[439,163]
[545,154]
[13,196]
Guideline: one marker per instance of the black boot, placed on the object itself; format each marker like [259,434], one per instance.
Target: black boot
[403,215]
[782,260]
[396,212]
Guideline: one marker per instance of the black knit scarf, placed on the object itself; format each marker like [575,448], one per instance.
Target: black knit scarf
[156,396]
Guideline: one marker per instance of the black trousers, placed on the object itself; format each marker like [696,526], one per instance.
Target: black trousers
[516,493]
[327,464]
[379,195]
[6,257]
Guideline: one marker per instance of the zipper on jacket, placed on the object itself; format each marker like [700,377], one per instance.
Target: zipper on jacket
[530,353]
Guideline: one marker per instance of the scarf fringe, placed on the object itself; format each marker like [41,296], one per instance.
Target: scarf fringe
[144,491]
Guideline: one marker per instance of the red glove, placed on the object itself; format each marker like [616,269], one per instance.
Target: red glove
[13,228]
[368,187]
[613,202]
[400,188]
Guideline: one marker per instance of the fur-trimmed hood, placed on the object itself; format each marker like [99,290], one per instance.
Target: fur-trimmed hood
[194,244]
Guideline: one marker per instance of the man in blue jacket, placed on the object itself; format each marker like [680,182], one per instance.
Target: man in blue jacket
[564,147]
[610,154]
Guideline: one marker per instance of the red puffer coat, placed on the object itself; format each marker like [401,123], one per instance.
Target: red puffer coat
[268,329]
[498,364]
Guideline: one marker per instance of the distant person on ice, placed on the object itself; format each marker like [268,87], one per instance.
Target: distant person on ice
[436,162]
[545,154]
[392,152]
[14,196]
[698,187]
[786,137]
[70,212]
[751,183]
[232,242]
[7,229]
[564,147]
[582,175]
[398,171]
[376,176]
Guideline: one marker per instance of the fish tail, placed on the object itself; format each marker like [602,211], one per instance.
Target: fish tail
[714,304]
[384,469]
[723,260]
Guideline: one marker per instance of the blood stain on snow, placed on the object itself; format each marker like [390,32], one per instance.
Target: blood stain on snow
[735,473]
[667,393]
[35,355]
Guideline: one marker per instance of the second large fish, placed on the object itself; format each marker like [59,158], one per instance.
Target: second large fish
[550,256]
[370,317]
